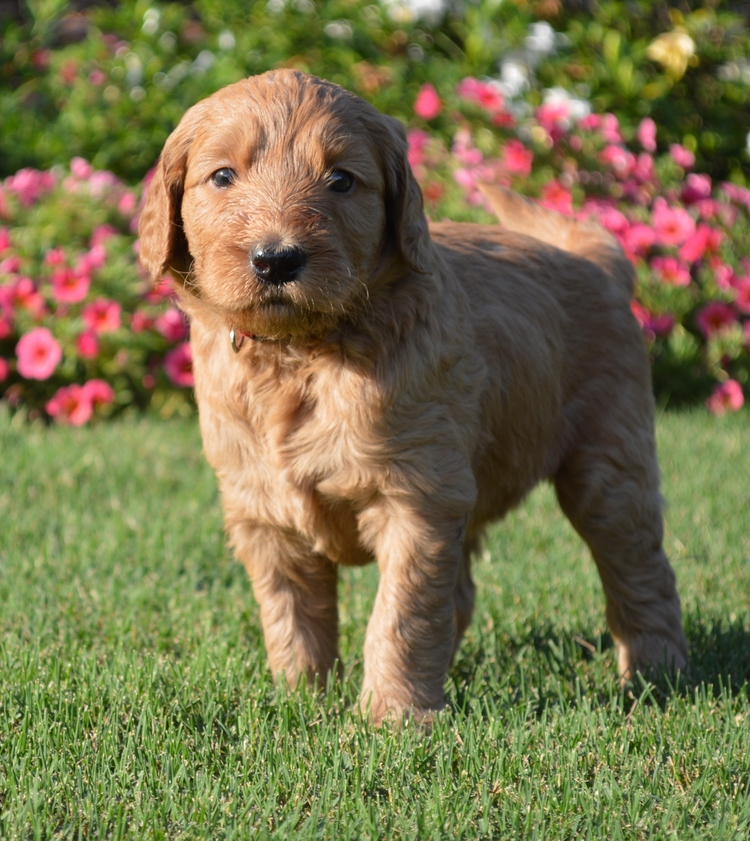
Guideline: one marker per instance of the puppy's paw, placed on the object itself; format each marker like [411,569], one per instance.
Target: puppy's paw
[382,710]
[653,655]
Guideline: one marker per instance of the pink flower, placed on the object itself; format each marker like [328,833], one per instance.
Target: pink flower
[30,185]
[672,225]
[428,104]
[703,240]
[714,317]
[92,260]
[24,294]
[643,169]
[612,219]
[102,315]
[417,142]
[681,156]
[517,159]
[671,271]
[99,392]
[697,188]
[87,344]
[101,234]
[554,117]
[646,134]
[4,369]
[742,294]
[610,128]
[81,168]
[4,240]
[38,354]
[172,325]
[726,397]
[638,239]
[10,265]
[556,197]
[55,257]
[485,94]
[723,274]
[619,159]
[178,364]
[70,405]
[140,322]
[652,325]
[591,122]
[127,203]
[69,287]
[101,182]
[464,149]
[5,327]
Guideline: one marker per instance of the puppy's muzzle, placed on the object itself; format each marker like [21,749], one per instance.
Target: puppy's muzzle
[277,265]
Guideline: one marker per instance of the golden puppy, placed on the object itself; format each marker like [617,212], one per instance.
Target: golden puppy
[370,388]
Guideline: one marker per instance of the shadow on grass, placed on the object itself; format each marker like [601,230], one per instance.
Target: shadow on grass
[546,667]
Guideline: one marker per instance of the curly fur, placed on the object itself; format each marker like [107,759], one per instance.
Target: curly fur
[409,385]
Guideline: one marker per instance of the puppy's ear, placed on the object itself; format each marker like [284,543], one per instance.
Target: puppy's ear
[407,225]
[163,247]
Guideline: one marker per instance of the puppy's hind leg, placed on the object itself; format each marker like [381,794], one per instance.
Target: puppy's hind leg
[609,489]
[296,591]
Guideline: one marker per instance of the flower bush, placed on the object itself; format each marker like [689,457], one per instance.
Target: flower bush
[82,333]
[630,113]
[688,237]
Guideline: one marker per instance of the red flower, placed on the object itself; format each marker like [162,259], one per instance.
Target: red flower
[517,158]
[556,197]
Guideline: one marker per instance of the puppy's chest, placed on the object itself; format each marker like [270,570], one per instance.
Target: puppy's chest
[328,441]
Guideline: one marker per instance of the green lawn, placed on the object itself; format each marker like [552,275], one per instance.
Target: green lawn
[135,701]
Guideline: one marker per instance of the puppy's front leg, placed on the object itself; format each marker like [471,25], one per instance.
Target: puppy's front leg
[296,591]
[411,635]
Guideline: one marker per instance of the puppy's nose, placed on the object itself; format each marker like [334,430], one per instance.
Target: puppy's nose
[277,264]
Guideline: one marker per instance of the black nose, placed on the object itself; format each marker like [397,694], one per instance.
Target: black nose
[277,264]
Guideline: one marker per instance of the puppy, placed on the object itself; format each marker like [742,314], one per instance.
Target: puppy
[371,388]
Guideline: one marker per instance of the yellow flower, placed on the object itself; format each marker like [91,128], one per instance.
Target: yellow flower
[673,50]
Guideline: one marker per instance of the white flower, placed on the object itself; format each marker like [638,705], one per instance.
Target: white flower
[406,11]
[577,108]
[226,40]
[540,41]
[514,77]
[339,29]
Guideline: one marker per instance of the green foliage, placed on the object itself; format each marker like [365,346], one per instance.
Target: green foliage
[113,97]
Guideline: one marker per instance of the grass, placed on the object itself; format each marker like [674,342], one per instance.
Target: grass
[135,701]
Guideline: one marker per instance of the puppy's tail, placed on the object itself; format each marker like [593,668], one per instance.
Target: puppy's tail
[586,239]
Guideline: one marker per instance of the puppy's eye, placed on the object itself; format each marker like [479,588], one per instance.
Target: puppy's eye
[223,177]
[340,181]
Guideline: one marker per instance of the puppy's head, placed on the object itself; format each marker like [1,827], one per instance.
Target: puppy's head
[284,202]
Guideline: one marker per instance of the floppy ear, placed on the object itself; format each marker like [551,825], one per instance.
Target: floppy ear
[407,224]
[163,247]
